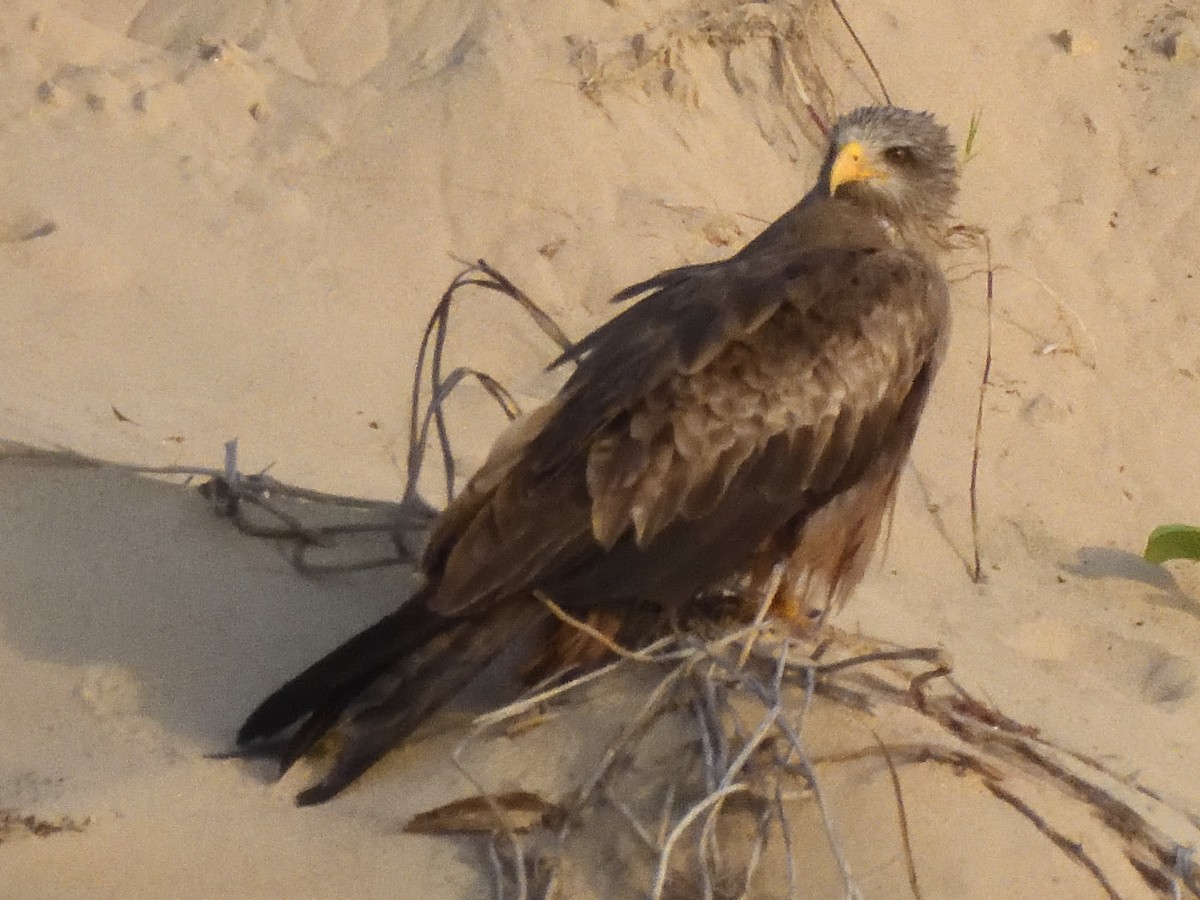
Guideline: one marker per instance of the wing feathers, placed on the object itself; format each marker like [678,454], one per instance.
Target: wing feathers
[809,353]
[833,374]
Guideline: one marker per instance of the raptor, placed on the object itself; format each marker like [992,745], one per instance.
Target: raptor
[743,418]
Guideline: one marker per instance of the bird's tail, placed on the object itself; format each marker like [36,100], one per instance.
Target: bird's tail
[380,685]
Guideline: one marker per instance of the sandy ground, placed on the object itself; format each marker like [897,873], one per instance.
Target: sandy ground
[224,219]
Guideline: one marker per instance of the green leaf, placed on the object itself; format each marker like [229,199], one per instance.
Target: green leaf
[968,152]
[1173,542]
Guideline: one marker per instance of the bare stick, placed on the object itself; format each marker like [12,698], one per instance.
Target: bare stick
[789,853]
[628,815]
[435,416]
[735,768]
[634,730]
[1071,848]
[502,818]
[431,351]
[668,808]
[717,739]
[228,489]
[660,877]
[977,575]
[706,729]
[518,707]
[760,842]
[835,845]
[257,482]
[767,593]
[497,867]
[837,7]
[905,839]
[765,726]
[594,633]
[548,326]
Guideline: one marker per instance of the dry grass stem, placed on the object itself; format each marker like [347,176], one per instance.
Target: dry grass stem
[595,634]
[984,378]
[910,864]
[429,366]
[837,7]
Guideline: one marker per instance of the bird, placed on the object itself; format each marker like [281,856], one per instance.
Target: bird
[743,424]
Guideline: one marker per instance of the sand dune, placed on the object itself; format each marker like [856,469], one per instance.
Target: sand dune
[232,219]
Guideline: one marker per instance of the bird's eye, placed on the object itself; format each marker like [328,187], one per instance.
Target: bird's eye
[901,156]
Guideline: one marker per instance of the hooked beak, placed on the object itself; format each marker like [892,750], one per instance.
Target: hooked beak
[851,164]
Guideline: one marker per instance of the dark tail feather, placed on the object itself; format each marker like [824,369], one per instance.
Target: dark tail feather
[379,686]
[400,697]
[342,673]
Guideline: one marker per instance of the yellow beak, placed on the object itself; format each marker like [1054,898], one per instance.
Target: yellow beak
[851,165]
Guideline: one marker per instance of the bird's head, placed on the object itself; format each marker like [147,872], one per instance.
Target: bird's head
[898,163]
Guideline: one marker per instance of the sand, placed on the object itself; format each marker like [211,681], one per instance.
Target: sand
[231,219]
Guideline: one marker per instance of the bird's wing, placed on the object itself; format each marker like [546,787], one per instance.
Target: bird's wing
[774,429]
[714,410]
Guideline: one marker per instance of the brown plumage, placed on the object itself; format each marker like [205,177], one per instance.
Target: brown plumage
[741,414]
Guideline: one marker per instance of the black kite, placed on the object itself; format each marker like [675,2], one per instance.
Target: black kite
[740,415]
